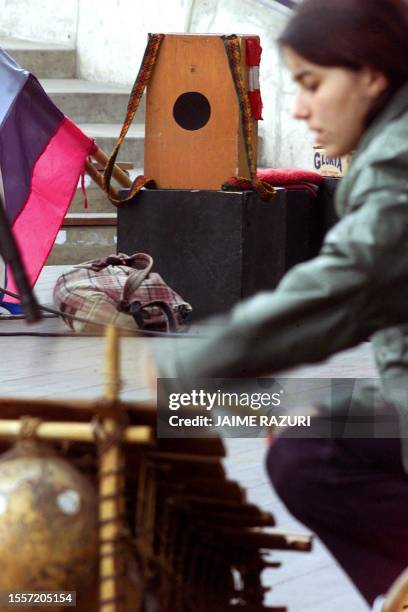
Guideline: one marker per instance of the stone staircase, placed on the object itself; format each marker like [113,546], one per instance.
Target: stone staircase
[98,109]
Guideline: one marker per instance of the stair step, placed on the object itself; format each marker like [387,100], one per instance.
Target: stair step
[106,136]
[75,244]
[90,219]
[97,199]
[91,101]
[97,202]
[42,59]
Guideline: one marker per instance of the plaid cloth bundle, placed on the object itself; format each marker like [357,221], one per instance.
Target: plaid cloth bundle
[120,290]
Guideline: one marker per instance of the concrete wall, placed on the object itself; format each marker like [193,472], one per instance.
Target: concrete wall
[53,21]
[112,34]
[110,37]
[286,143]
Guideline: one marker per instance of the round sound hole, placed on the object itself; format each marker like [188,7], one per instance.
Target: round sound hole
[191,110]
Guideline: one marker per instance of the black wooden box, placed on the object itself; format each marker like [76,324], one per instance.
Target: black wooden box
[326,215]
[214,247]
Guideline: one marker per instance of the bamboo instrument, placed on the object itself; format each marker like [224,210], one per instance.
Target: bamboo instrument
[68,410]
[74,432]
[110,487]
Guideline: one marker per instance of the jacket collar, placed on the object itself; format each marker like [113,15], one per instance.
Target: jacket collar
[396,107]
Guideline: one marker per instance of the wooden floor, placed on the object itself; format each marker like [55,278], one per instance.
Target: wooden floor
[73,368]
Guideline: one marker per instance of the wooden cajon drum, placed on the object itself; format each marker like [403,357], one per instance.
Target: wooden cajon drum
[193,135]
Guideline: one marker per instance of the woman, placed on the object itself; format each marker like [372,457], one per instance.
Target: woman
[349,59]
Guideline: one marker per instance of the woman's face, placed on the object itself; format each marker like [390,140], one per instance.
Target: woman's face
[334,101]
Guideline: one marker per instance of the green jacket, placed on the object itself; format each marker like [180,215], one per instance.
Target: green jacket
[355,288]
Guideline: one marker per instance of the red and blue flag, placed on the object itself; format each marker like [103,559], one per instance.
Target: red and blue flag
[42,156]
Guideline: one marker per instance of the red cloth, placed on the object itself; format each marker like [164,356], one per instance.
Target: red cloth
[282,177]
[291,178]
[255,100]
[253,51]
[53,185]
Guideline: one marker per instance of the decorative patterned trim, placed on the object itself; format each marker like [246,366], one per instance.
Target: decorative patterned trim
[142,79]
[233,50]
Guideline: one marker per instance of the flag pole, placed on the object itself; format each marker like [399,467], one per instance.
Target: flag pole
[11,255]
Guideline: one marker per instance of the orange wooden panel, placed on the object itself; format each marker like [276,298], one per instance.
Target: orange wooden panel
[202,158]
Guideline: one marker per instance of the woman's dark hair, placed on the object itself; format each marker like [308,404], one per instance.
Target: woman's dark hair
[352,34]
